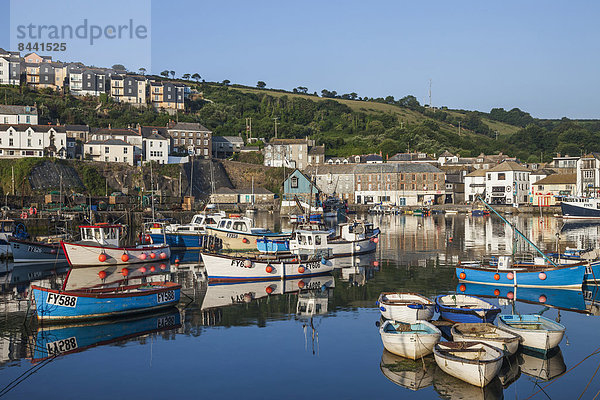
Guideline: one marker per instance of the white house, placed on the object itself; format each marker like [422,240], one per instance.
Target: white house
[18,115]
[474,184]
[18,141]
[10,68]
[133,137]
[507,183]
[156,148]
[588,175]
[109,150]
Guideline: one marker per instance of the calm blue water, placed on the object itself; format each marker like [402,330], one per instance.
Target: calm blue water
[232,341]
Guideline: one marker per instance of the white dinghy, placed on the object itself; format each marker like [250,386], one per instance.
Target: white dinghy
[487,333]
[405,307]
[538,332]
[476,363]
[409,340]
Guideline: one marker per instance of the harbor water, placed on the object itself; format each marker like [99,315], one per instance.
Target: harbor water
[304,338]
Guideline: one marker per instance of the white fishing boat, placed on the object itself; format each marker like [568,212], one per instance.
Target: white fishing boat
[239,233]
[476,363]
[409,340]
[357,237]
[538,332]
[100,245]
[405,307]
[487,333]
[310,257]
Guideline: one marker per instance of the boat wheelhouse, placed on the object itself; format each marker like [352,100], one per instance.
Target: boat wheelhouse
[239,233]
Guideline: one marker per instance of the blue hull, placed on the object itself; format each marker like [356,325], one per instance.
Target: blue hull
[76,338]
[571,300]
[182,241]
[273,246]
[571,211]
[592,273]
[71,305]
[569,277]
[467,315]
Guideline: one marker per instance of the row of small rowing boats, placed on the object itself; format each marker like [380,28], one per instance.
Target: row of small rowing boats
[478,346]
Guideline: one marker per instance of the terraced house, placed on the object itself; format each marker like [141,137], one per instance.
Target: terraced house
[191,137]
[10,67]
[168,96]
[21,140]
[129,89]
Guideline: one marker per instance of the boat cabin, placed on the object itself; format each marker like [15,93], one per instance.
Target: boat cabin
[311,304]
[103,234]
[236,224]
[356,230]
[307,241]
[207,219]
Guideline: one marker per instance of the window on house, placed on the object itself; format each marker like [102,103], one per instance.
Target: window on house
[501,176]
[124,150]
[294,182]
[107,150]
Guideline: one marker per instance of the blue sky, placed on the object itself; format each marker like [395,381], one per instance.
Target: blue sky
[539,56]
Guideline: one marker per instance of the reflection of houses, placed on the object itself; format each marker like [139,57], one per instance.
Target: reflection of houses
[545,191]
[588,175]
[507,183]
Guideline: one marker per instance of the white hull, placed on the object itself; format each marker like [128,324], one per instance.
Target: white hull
[87,255]
[542,339]
[478,373]
[406,312]
[497,337]
[341,248]
[241,241]
[226,268]
[415,377]
[410,345]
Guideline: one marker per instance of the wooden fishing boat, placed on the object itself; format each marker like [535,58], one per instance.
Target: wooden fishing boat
[93,303]
[487,333]
[536,274]
[100,245]
[463,308]
[405,307]
[27,251]
[538,332]
[476,363]
[409,340]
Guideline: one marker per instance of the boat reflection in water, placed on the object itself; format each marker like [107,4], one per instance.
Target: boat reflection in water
[357,270]
[449,387]
[591,294]
[562,299]
[413,375]
[510,371]
[55,340]
[540,366]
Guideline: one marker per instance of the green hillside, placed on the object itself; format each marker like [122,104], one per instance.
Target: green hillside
[345,125]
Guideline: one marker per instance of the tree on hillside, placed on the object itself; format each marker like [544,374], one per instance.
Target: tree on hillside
[196,77]
[186,77]
[142,71]
[172,74]
[328,94]
[119,67]
[165,73]
[261,84]
[226,82]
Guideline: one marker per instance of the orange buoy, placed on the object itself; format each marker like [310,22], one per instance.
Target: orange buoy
[510,295]
[269,269]
[177,261]
[163,266]
[163,255]
[462,287]
[143,269]
[152,256]
[244,240]
[143,256]
[152,268]
[542,276]
[497,277]
[247,263]
[463,275]
[301,269]
[124,272]
[510,276]
[376,263]
[542,298]
[147,238]
[102,257]
[124,257]
[375,240]
[301,284]
[102,274]
[269,290]
[496,292]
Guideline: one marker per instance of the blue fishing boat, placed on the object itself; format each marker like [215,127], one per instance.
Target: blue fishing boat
[54,340]
[463,308]
[569,276]
[563,299]
[92,303]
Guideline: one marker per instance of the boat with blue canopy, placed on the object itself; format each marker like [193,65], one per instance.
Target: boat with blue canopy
[463,308]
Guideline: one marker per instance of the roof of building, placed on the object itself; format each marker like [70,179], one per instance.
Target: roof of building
[477,172]
[509,166]
[35,128]
[148,131]
[188,126]
[371,157]
[446,154]
[111,142]
[257,190]
[317,150]
[288,141]
[109,131]
[78,128]
[543,171]
[236,139]
[411,157]
[558,179]
[225,190]
[15,110]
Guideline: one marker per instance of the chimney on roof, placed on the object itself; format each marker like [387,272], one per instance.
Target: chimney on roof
[557,154]
[109,126]
[139,129]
